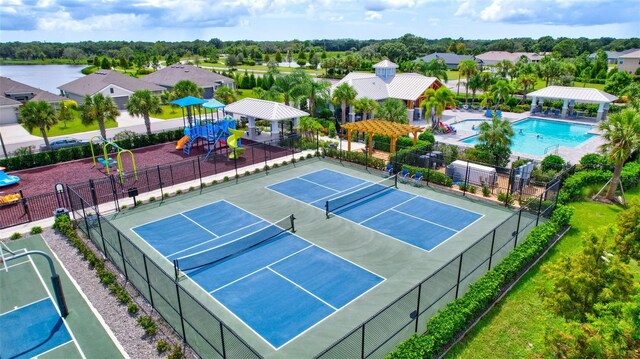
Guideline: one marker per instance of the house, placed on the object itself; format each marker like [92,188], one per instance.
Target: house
[206,79]
[612,56]
[629,62]
[13,94]
[110,83]
[451,60]
[491,58]
[386,83]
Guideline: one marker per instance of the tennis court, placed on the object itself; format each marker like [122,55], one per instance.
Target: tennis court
[30,320]
[418,221]
[278,284]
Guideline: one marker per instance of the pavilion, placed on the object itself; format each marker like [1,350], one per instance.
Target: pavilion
[571,95]
[379,127]
[273,112]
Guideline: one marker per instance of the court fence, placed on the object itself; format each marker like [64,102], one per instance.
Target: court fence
[112,189]
[198,327]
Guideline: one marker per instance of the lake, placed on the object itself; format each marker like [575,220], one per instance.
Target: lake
[46,77]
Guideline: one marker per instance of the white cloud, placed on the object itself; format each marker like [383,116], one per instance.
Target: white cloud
[336,18]
[372,15]
[62,21]
[381,5]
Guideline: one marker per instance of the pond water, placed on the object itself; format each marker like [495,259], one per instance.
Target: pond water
[46,77]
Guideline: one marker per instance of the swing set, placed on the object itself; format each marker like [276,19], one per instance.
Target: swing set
[107,161]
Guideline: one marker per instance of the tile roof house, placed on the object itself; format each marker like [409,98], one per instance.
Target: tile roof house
[111,83]
[208,80]
[493,57]
[629,62]
[451,60]
[386,83]
[14,93]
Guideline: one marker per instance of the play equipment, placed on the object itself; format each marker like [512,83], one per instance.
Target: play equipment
[213,132]
[107,161]
[7,180]
[10,197]
[234,141]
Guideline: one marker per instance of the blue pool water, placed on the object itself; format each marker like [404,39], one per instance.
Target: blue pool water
[551,133]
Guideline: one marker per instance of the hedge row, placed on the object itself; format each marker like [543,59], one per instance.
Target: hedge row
[75,153]
[459,314]
[573,186]
[411,156]
[383,143]
[430,175]
[355,157]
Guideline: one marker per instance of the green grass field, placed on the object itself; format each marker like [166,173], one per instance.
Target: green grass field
[71,127]
[515,328]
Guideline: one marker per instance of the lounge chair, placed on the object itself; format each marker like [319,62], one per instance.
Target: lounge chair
[488,114]
[405,173]
[389,169]
[478,108]
[460,106]
[546,112]
[574,115]
[499,114]
[556,112]
[417,177]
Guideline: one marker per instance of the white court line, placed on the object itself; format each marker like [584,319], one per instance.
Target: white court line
[24,306]
[17,264]
[425,220]
[174,214]
[52,349]
[198,224]
[389,209]
[306,291]
[57,309]
[213,239]
[317,184]
[261,268]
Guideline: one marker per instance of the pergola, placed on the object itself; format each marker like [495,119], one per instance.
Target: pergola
[379,127]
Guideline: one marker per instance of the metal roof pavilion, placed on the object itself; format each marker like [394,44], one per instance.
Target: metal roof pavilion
[571,95]
[255,109]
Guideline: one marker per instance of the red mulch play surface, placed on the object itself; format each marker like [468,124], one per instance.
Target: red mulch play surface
[43,179]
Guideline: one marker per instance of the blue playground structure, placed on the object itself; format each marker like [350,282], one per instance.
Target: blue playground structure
[7,180]
[213,132]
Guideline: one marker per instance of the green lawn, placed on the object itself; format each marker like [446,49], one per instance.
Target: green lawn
[71,127]
[169,112]
[515,328]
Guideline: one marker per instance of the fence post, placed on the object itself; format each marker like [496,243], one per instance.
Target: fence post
[317,143]
[539,209]
[199,172]
[418,307]
[493,240]
[184,334]
[94,196]
[459,273]
[104,243]
[235,164]
[429,167]
[266,165]
[124,262]
[171,172]
[517,229]
[86,223]
[362,350]
[508,194]
[466,180]
[114,191]
[160,184]
[25,208]
[71,204]
[224,351]
[146,273]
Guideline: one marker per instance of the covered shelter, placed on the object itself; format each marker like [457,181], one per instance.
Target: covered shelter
[380,127]
[271,111]
[189,102]
[571,95]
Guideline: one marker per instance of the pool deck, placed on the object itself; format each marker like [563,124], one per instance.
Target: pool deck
[572,155]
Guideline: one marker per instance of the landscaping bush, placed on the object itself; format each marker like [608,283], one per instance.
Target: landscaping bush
[36,230]
[148,324]
[355,156]
[15,236]
[427,136]
[630,175]
[592,161]
[162,346]
[459,314]
[410,156]
[572,188]
[431,176]
[486,191]
[552,162]
[506,197]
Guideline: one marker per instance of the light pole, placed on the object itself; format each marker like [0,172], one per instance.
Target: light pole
[4,150]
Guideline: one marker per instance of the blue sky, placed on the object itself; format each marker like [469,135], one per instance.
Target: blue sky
[173,20]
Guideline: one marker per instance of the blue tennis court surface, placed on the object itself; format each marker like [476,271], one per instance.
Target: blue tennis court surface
[279,288]
[32,330]
[416,220]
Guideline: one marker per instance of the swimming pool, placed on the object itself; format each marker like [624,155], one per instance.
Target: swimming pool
[533,136]
[467,125]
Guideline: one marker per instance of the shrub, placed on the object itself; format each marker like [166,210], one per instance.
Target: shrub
[152,199]
[592,161]
[133,308]
[139,202]
[486,191]
[519,162]
[162,346]
[572,188]
[246,173]
[106,277]
[472,189]
[36,230]
[148,324]
[124,206]
[178,191]
[506,197]
[284,163]
[630,175]
[225,179]
[463,187]
[309,155]
[214,182]
[427,136]
[166,195]
[552,162]
[176,352]
[432,176]
[15,236]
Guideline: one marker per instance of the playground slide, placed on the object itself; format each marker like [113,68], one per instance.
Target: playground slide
[232,142]
[181,142]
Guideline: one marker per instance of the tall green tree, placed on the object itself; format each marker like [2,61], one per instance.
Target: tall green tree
[434,68]
[184,88]
[527,81]
[392,110]
[621,132]
[474,84]
[501,91]
[308,126]
[344,94]
[40,115]
[435,102]
[467,68]
[312,90]
[99,108]
[495,139]
[225,94]
[64,113]
[143,103]
[366,106]
[628,234]
[286,84]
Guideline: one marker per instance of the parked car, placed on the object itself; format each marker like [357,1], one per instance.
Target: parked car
[63,142]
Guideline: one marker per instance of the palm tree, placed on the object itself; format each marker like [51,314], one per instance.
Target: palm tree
[38,114]
[98,108]
[475,84]
[495,137]
[435,102]
[142,103]
[226,94]
[184,88]
[286,85]
[526,81]
[366,106]
[308,126]
[344,94]
[467,68]
[392,110]
[64,112]
[501,90]
[621,132]
[434,68]
[313,90]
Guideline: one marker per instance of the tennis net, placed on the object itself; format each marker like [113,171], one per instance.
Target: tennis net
[361,193]
[237,246]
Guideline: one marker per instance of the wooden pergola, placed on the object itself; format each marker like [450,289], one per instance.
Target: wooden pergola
[379,127]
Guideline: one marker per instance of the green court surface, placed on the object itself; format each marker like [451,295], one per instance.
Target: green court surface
[403,266]
[27,306]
